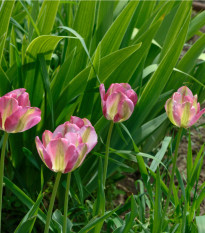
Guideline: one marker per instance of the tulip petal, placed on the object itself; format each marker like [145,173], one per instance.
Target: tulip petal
[57,149]
[102,94]
[77,121]
[65,128]
[71,158]
[73,138]
[187,113]
[23,119]
[111,106]
[16,93]
[132,96]
[46,137]
[169,109]
[23,100]
[89,136]
[82,151]
[196,117]
[7,107]
[43,153]
[125,110]
[185,91]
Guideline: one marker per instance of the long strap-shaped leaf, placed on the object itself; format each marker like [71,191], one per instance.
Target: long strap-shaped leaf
[5,14]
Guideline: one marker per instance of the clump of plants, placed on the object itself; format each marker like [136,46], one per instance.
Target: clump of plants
[90,90]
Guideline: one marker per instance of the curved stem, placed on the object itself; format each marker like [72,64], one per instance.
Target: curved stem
[66,203]
[3,150]
[107,152]
[53,196]
[172,174]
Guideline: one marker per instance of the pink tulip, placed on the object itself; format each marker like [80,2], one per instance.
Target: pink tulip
[182,108]
[16,113]
[65,149]
[119,101]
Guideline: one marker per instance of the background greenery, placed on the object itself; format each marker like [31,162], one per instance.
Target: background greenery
[61,51]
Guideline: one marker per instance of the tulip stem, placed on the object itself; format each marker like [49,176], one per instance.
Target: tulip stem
[107,152]
[172,174]
[66,203]
[3,150]
[53,196]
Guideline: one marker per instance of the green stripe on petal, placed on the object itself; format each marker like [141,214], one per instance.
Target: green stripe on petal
[169,110]
[186,114]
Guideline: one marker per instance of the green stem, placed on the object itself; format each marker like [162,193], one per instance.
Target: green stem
[66,203]
[107,152]
[3,150]
[53,196]
[172,174]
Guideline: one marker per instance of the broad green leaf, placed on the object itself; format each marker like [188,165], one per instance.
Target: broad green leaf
[5,14]
[29,219]
[83,24]
[160,154]
[46,16]
[157,206]
[175,27]
[57,217]
[187,63]
[113,37]
[196,24]
[200,224]
[99,206]
[93,222]
[24,199]
[159,79]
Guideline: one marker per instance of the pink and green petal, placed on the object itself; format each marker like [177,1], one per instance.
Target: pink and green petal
[46,137]
[187,112]
[112,103]
[65,128]
[57,149]
[77,121]
[132,96]
[7,107]
[196,117]
[71,158]
[43,153]
[16,93]
[23,100]
[185,91]
[23,119]
[169,110]
[125,110]
[88,136]
[73,138]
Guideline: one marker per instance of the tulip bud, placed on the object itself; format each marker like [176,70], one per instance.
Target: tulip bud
[65,149]
[16,113]
[119,101]
[182,108]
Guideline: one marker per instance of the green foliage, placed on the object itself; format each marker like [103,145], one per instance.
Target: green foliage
[61,51]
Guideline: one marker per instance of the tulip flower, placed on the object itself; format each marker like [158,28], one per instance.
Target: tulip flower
[119,101]
[182,108]
[16,113]
[65,149]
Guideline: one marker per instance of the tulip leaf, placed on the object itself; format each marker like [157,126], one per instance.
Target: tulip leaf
[46,16]
[113,37]
[196,24]
[156,83]
[28,221]
[5,14]
[200,223]
[25,200]
[93,222]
